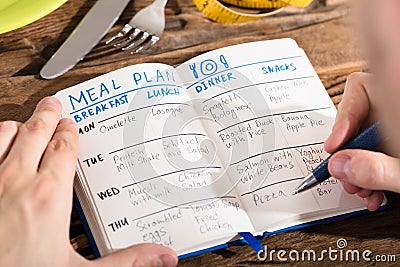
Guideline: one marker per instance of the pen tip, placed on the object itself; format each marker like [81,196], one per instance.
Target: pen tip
[295,193]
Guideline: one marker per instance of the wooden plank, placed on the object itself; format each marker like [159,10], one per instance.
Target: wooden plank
[186,27]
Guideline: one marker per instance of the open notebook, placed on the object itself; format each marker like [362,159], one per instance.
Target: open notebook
[190,156]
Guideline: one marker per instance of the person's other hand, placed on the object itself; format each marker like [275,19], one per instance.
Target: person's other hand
[37,167]
[361,172]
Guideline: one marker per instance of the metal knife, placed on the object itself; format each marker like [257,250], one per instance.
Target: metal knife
[97,22]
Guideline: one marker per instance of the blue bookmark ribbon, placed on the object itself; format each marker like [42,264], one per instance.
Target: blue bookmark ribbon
[252,241]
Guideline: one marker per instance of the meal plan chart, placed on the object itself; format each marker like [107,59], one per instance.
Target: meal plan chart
[187,157]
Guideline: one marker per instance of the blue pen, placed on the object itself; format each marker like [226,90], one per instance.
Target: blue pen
[367,139]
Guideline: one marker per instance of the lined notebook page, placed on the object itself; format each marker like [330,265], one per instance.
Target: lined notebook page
[270,122]
[141,159]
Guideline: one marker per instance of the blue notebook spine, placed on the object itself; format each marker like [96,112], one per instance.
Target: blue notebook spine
[86,226]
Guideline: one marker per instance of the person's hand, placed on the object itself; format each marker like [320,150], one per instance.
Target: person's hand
[37,167]
[361,172]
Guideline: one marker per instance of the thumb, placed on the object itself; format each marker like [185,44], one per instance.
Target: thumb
[142,255]
[366,169]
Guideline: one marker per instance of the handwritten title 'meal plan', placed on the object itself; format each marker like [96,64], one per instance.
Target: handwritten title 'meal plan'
[109,94]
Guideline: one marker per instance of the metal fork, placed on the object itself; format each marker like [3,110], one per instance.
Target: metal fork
[147,25]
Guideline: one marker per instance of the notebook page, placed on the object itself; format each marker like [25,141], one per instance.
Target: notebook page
[138,159]
[277,139]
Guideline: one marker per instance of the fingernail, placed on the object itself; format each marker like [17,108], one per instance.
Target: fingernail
[340,166]
[166,260]
[49,100]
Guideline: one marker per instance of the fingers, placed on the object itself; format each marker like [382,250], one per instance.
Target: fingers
[59,159]
[352,189]
[34,135]
[372,198]
[150,255]
[353,111]
[366,169]
[8,131]
[375,200]
[349,188]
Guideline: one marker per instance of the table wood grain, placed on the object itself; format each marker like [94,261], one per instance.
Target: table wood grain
[323,32]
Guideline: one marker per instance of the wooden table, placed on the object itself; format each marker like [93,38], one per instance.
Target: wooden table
[323,33]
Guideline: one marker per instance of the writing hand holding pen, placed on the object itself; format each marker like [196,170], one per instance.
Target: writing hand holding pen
[361,172]
[368,139]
